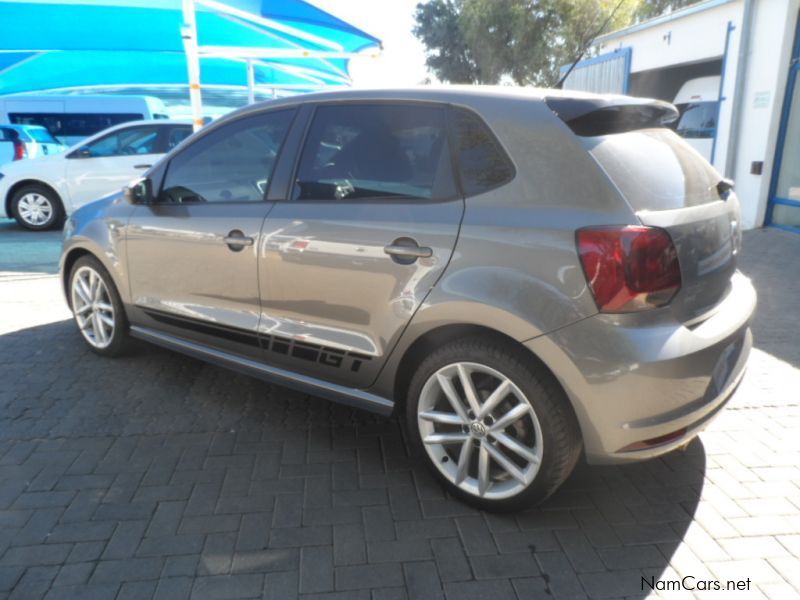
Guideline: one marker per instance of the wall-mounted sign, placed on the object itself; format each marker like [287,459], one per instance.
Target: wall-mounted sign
[761,99]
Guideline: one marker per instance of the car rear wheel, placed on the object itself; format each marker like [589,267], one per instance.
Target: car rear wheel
[97,307]
[37,208]
[495,427]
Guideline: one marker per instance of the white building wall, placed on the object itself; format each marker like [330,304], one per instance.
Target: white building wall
[773,23]
[679,40]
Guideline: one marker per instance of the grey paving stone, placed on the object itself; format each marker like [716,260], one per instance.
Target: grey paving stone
[422,581]
[398,551]
[479,590]
[368,576]
[130,569]
[226,587]
[316,569]
[451,560]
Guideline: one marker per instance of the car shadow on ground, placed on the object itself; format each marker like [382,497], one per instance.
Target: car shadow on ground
[605,532]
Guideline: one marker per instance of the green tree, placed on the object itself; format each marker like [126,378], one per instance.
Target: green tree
[654,8]
[520,41]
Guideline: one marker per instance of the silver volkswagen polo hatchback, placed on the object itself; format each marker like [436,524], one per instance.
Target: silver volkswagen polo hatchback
[526,275]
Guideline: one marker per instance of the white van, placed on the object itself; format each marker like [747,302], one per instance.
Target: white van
[698,103]
[73,118]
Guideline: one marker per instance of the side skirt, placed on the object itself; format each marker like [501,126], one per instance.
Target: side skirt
[303,383]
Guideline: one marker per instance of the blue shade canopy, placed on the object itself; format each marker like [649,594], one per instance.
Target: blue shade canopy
[53,45]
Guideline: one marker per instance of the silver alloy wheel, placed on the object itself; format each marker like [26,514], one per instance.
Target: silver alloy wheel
[35,209]
[480,430]
[91,304]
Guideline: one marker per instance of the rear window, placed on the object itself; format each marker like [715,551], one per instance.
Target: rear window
[41,135]
[654,169]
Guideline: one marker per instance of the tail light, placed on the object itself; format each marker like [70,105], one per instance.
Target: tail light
[629,268]
[20,151]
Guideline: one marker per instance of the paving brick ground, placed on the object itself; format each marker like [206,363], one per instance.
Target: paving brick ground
[159,476]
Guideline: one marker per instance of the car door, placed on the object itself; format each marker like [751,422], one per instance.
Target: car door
[192,254]
[110,162]
[368,227]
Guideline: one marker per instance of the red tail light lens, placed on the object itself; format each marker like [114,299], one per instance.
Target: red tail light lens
[20,151]
[629,268]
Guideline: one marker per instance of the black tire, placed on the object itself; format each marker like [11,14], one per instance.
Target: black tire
[51,203]
[120,340]
[561,439]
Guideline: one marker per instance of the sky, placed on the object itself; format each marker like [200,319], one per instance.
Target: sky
[402,62]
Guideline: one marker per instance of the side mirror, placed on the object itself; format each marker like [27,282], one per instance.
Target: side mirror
[139,191]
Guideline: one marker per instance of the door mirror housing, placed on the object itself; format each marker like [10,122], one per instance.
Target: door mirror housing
[82,152]
[139,191]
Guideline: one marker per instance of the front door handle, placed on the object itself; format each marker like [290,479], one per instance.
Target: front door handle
[142,166]
[236,240]
[406,250]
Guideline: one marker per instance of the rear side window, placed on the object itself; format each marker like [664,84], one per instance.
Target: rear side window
[655,169]
[231,164]
[483,164]
[41,135]
[374,151]
[73,124]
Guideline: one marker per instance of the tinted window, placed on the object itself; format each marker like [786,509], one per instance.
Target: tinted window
[375,151]
[483,164]
[73,124]
[698,120]
[126,142]
[177,135]
[41,135]
[232,164]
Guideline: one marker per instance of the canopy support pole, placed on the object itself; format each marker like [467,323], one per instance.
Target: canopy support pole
[189,34]
[251,82]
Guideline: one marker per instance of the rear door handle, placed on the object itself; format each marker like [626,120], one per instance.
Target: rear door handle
[409,251]
[236,240]
[142,166]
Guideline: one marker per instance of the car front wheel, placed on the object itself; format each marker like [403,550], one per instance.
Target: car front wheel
[37,208]
[494,425]
[97,307]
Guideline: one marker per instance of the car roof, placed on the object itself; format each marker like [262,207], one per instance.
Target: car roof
[126,125]
[455,94]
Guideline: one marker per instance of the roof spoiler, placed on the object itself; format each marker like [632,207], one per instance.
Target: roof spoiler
[611,114]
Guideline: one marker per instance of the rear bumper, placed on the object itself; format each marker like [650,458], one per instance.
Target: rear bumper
[642,385]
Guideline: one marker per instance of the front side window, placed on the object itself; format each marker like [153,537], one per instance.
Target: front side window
[232,164]
[360,151]
[483,164]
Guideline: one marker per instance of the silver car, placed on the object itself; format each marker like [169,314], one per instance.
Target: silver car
[526,276]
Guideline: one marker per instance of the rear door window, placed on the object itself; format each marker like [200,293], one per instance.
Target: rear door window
[126,142]
[655,169]
[483,164]
[376,151]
